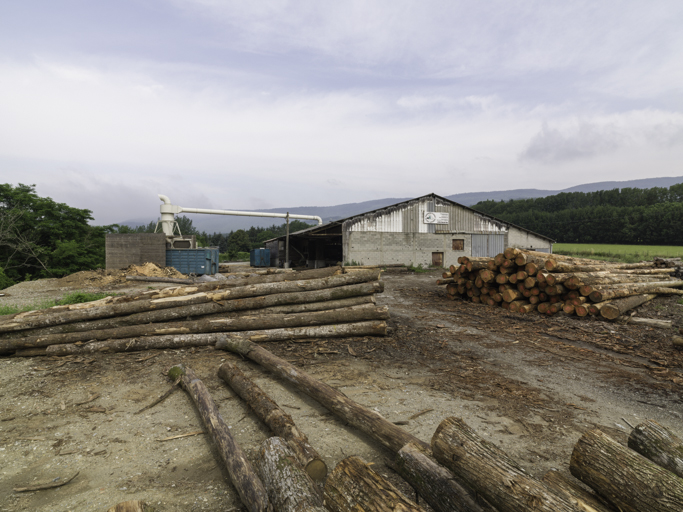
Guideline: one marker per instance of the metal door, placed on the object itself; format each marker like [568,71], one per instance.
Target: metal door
[487,245]
[437,259]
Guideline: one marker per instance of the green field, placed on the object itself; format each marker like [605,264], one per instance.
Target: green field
[623,253]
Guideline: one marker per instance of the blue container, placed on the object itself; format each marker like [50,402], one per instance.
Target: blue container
[193,261]
[259,258]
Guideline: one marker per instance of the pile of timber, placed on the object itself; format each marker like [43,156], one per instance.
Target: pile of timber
[457,471]
[525,281]
[282,306]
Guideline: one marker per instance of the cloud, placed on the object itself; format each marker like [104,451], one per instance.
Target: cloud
[580,141]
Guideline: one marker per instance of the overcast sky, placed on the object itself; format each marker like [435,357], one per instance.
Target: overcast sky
[247,105]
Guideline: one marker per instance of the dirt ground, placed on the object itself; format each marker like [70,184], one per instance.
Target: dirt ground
[530,384]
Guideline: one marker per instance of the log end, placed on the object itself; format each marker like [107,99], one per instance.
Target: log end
[316,469]
[235,344]
[176,372]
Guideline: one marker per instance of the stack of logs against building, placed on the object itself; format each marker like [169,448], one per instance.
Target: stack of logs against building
[526,281]
[456,471]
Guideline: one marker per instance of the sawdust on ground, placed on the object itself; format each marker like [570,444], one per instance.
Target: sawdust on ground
[102,278]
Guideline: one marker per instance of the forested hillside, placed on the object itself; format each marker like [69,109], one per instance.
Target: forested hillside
[651,216]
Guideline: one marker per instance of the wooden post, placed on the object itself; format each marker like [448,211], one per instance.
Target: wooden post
[250,488]
[279,422]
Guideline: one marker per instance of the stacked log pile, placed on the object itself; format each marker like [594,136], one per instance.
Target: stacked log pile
[280,306]
[525,281]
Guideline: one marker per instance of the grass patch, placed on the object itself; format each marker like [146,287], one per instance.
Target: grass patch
[619,253]
[419,269]
[69,298]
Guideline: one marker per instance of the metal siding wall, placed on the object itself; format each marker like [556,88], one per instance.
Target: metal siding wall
[487,245]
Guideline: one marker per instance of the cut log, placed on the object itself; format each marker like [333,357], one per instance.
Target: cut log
[277,420]
[289,488]
[370,422]
[332,297]
[245,323]
[156,279]
[492,473]
[132,506]
[18,322]
[618,307]
[649,322]
[249,487]
[658,444]
[677,342]
[623,477]
[616,292]
[434,483]
[582,497]
[175,341]
[561,266]
[353,486]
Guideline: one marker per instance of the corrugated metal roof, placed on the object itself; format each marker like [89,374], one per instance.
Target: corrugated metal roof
[407,214]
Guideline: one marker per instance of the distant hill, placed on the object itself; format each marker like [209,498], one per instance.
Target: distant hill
[225,224]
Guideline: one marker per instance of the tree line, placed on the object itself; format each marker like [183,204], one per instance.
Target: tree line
[629,216]
[42,238]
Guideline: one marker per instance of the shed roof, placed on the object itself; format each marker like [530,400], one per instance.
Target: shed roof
[324,227]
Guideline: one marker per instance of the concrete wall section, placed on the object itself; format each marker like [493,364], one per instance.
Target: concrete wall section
[373,248]
[123,250]
[526,240]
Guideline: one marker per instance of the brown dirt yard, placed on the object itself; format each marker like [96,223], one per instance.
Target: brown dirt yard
[530,384]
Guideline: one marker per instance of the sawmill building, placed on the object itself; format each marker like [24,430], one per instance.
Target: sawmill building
[428,230]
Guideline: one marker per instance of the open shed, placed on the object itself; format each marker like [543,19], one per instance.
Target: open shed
[428,230]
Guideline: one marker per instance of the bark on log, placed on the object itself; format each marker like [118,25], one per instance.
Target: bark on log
[434,483]
[616,292]
[492,473]
[650,322]
[370,422]
[353,486]
[658,444]
[562,266]
[332,298]
[155,279]
[623,477]
[289,488]
[308,307]
[277,420]
[175,341]
[249,487]
[598,278]
[616,308]
[582,497]
[92,313]
[242,323]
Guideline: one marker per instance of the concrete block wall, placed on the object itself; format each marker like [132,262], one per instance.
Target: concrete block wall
[373,248]
[525,240]
[123,250]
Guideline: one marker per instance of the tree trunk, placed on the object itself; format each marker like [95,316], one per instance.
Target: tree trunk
[245,323]
[169,341]
[353,486]
[616,308]
[615,292]
[434,483]
[355,329]
[289,488]
[658,444]
[370,422]
[249,487]
[492,473]
[580,496]
[623,477]
[29,322]
[332,297]
[277,420]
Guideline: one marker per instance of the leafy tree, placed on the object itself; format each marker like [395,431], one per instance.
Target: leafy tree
[42,238]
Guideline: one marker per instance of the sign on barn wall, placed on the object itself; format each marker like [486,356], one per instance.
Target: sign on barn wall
[435,218]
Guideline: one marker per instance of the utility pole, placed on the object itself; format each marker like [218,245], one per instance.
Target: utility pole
[287,244]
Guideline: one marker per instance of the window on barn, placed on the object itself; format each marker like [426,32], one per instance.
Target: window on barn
[458,244]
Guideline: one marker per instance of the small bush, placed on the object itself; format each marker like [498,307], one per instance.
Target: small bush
[419,269]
